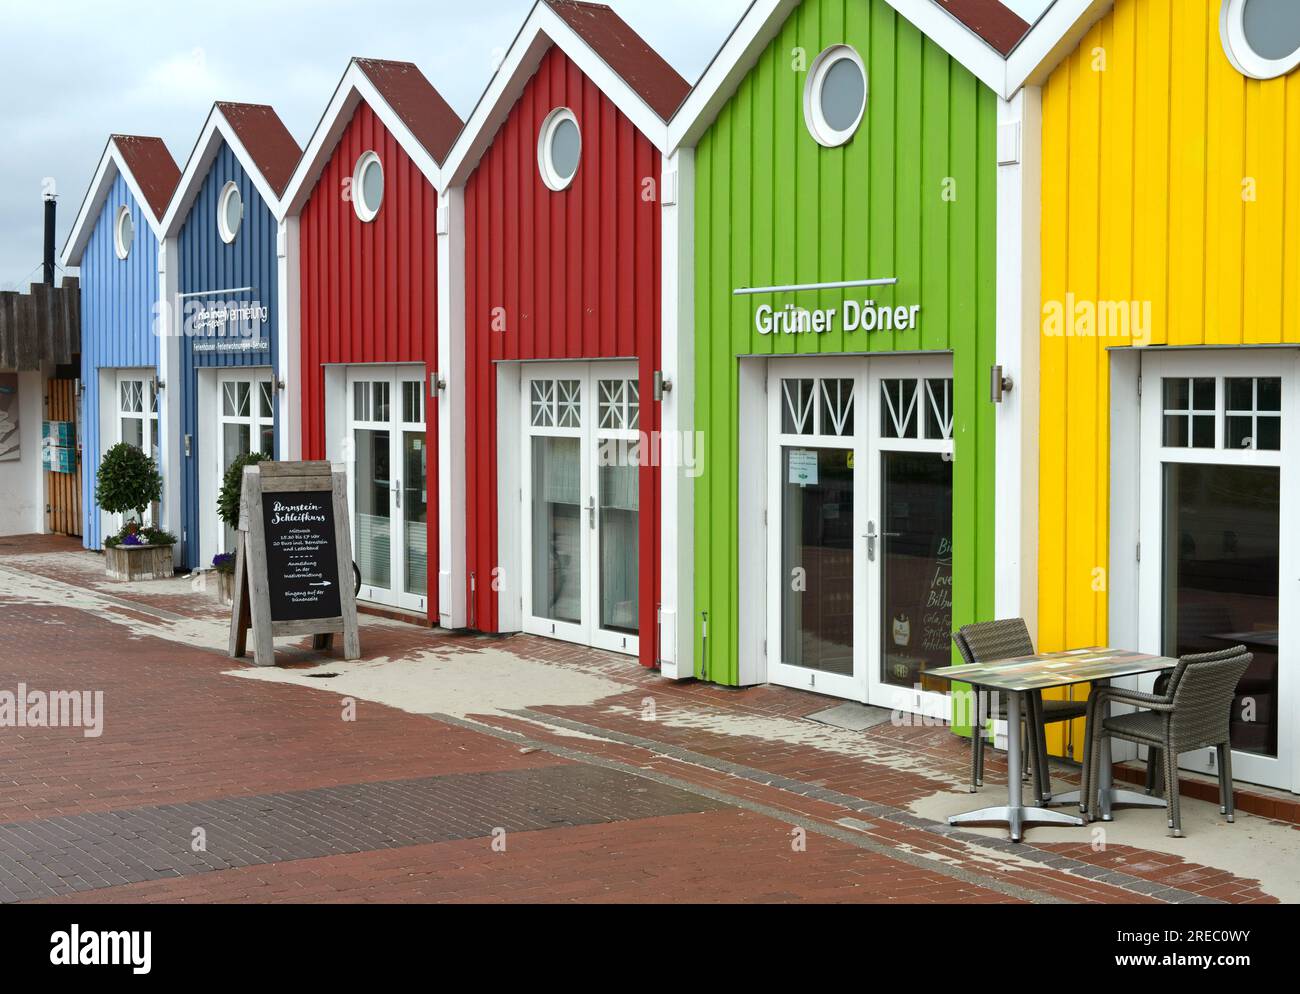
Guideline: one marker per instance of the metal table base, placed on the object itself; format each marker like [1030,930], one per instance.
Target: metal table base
[1015,815]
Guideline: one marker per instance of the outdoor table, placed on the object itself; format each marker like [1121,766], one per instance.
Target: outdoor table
[1030,674]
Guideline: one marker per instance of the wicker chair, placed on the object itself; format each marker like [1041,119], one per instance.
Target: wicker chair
[1009,639]
[1155,762]
[1193,714]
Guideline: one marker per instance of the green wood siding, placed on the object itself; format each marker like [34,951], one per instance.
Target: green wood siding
[776,208]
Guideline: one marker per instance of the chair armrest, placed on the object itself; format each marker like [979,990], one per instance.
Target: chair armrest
[1115,695]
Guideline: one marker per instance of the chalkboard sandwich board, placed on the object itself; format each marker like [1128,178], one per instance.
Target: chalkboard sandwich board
[293,561]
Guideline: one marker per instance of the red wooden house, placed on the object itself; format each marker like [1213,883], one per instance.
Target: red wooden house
[361,216]
[557,175]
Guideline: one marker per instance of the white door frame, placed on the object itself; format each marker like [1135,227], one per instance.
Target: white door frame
[395,376]
[211,402]
[118,410]
[867,444]
[590,434]
[1222,364]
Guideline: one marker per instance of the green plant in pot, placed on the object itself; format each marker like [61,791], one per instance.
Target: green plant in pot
[128,483]
[231,496]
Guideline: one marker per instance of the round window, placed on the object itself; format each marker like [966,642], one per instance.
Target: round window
[230,212]
[124,232]
[835,97]
[559,149]
[1261,37]
[368,186]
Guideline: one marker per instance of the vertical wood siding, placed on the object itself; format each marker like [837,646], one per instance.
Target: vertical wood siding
[577,276]
[119,300]
[369,291]
[207,263]
[1145,156]
[774,208]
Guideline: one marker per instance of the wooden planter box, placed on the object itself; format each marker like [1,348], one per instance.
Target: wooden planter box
[140,562]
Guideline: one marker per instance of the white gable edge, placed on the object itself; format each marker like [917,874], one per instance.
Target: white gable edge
[542,30]
[215,130]
[354,88]
[111,164]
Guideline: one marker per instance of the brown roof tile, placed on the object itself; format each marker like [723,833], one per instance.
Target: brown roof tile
[153,167]
[413,98]
[627,53]
[263,134]
[1000,26]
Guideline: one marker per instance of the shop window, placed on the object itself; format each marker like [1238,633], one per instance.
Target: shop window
[371,402]
[1261,37]
[938,410]
[123,232]
[898,410]
[835,97]
[413,402]
[557,404]
[230,212]
[368,186]
[619,405]
[559,149]
[1253,419]
[797,407]
[837,407]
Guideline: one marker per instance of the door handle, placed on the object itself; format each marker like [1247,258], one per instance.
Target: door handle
[591,512]
[871,542]
[397,493]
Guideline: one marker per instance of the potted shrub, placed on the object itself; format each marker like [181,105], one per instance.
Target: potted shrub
[127,484]
[228,504]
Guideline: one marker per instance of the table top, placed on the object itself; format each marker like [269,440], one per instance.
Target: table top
[1055,669]
[1264,640]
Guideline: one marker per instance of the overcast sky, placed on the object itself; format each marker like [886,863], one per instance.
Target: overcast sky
[74,71]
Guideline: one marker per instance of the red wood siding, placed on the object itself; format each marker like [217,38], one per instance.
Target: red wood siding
[370,291]
[577,274]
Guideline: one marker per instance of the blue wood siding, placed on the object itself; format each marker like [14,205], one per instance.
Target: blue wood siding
[208,264]
[119,301]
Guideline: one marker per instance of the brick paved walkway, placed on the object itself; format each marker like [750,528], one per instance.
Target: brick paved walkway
[714,795]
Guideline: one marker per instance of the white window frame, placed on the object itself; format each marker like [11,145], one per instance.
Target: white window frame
[120,248]
[814,118]
[257,378]
[1242,55]
[1221,364]
[589,374]
[551,176]
[146,381]
[365,211]
[228,234]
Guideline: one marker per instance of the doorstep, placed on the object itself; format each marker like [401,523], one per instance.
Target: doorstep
[395,614]
[1279,805]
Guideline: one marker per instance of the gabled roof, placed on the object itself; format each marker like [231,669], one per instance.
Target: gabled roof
[998,47]
[260,142]
[404,100]
[150,173]
[604,47]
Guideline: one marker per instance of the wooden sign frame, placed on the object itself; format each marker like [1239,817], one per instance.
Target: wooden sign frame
[252,601]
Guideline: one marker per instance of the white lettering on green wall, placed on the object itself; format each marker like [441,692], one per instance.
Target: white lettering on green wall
[865,316]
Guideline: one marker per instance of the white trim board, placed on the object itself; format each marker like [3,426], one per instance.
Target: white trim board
[111,165]
[543,30]
[215,130]
[354,88]
[1056,34]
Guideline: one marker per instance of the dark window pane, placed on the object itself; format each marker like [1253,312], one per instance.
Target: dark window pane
[1222,533]
[797,407]
[1268,434]
[1176,431]
[1241,395]
[1203,432]
[1203,394]
[1176,395]
[1270,394]
[1240,433]
[837,407]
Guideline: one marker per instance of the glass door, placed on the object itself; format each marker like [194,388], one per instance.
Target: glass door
[909,534]
[1220,564]
[816,475]
[246,422]
[137,425]
[388,486]
[581,507]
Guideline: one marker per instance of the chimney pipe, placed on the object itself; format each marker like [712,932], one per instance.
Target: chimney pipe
[51,207]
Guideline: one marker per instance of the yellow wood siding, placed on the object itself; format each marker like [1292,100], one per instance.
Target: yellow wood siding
[1171,180]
